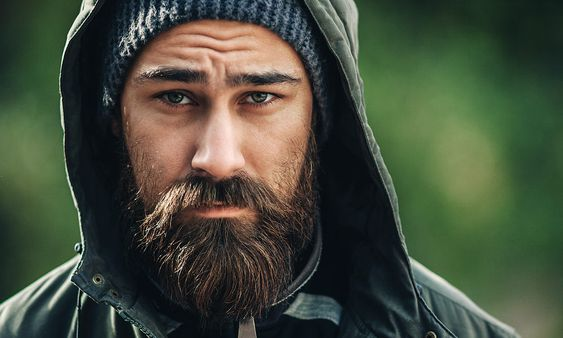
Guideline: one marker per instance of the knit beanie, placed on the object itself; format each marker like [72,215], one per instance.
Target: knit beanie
[134,23]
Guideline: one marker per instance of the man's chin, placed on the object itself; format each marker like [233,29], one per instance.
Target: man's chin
[222,267]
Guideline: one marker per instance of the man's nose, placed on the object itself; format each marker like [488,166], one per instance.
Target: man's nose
[218,150]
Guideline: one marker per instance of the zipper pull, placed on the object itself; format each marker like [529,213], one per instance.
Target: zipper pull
[246,328]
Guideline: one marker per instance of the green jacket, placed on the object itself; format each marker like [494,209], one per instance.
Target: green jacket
[383,292]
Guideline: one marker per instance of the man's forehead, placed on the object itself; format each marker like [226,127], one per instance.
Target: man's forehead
[226,31]
[189,54]
[223,37]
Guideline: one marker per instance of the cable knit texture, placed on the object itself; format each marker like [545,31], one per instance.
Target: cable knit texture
[136,22]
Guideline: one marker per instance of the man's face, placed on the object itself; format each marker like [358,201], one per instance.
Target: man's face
[216,118]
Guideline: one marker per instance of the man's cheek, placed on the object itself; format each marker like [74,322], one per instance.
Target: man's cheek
[289,169]
[145,172]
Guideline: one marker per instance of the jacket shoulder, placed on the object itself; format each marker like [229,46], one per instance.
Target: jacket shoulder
[43,309]
[453,308]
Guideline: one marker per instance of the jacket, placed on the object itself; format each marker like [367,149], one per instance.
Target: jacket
[378,289]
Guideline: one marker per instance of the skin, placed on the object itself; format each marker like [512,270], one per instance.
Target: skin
[186,107]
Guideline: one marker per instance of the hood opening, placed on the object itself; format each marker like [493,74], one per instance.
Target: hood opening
[364,262]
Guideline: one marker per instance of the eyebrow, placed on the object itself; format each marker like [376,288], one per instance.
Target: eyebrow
[188,75]
[172,74]
[261,79]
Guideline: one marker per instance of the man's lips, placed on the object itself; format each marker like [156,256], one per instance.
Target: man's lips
[219,210]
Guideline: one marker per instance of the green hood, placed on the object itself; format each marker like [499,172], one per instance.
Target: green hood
[364,250]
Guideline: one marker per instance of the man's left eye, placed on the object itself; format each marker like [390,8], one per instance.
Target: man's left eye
[259,98]
[176,98]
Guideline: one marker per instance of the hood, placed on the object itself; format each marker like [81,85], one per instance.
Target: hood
[364,261]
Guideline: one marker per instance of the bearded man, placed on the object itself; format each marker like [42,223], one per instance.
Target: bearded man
[213,148]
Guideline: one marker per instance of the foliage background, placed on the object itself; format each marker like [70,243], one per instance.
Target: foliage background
[466,102]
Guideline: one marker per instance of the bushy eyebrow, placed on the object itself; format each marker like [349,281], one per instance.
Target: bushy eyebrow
[172,74]
[261,79]
[188,75]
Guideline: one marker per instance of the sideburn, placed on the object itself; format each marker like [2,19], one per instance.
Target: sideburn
[221,268]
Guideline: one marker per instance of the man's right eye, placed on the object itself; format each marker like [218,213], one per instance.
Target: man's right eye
[175,98]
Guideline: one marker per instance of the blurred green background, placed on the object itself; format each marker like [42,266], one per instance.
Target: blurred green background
[466,102]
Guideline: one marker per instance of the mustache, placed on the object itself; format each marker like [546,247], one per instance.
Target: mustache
[197,191]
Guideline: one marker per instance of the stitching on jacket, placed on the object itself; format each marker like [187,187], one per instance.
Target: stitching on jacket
[308,306]
[469,311]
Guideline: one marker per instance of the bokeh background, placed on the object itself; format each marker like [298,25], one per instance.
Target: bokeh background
[466,102]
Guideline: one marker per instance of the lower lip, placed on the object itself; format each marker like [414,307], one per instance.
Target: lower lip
[220,212]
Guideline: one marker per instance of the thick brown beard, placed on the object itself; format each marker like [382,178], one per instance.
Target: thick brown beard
[224,267]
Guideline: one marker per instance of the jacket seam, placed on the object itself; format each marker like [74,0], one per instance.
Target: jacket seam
[491,324]
[363,328]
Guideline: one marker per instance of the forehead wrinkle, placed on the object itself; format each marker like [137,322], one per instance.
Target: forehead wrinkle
[201,58]
[218,29]
[234,43]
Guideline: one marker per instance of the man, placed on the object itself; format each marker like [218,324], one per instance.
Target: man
[228,184]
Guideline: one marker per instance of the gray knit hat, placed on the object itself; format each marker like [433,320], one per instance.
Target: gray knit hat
[135,22]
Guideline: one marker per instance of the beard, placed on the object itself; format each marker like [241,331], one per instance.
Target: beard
[221,268]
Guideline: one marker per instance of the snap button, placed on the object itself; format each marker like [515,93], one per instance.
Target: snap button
[430,334]
[78,247]
[98,279]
